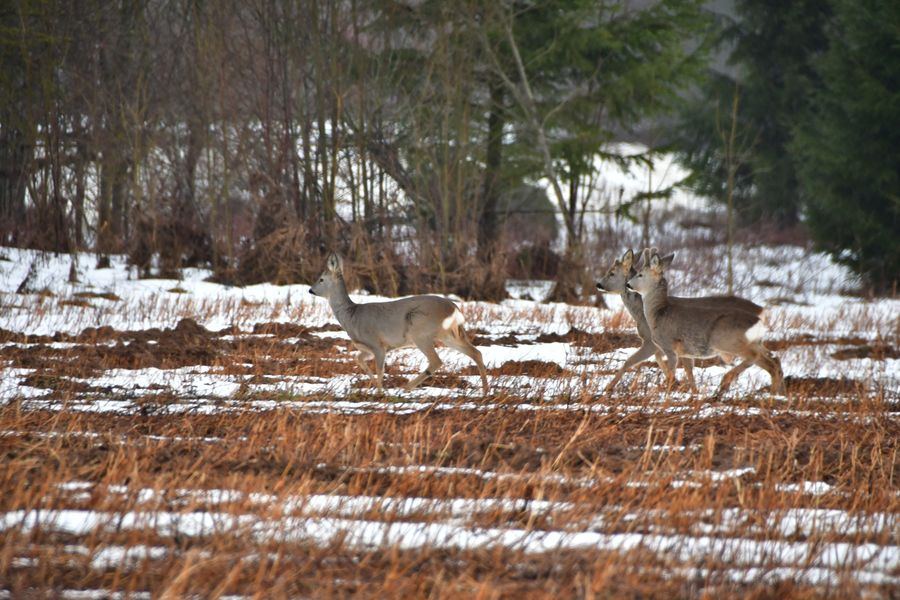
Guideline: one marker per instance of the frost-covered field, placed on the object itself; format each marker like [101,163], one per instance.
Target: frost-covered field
[183,437]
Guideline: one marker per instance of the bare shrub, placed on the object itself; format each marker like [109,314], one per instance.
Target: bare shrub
[459,270]
[534,261]
[378,266]
[178,234]
[282,257]
[143,246]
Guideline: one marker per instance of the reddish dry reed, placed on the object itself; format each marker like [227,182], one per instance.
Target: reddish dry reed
[276,503]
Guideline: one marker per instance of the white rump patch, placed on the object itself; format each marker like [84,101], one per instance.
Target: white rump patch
[456,318]
[756,332]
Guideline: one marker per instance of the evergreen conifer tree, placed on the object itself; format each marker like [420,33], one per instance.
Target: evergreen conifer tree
[770,47]
[848,149]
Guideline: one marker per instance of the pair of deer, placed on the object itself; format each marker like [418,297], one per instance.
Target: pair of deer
[677,327]
[686,328]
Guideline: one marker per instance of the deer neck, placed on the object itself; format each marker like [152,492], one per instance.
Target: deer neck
[656,301]
[634,304]
[341,304]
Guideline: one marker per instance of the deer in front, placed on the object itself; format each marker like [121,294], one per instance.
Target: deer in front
[700,331]
[615,282]
[376,327]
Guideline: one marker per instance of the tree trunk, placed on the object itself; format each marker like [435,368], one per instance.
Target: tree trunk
[572,267]
[58,225]
[487,225]
[112,205]
[14,155]
[104,203]
[78,201]
[731,163]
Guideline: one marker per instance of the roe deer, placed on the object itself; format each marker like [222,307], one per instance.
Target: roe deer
[615,281]
[376,327]
[680,329]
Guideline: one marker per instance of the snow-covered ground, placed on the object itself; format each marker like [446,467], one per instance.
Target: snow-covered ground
[809,319]
[801,291]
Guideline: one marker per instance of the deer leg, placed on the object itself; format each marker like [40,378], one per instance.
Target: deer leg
[378,353]
[770,363]
[362,356]
[731,375]
[660,362]
[688,365]
[642,353]
[671,364]
[464,346]
[666,362]
[750,357]
[434,363]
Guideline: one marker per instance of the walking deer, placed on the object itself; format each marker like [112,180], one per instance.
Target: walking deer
[692,331]
[615,282]
[376,327]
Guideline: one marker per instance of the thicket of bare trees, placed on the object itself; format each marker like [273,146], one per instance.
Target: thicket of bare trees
[251,135]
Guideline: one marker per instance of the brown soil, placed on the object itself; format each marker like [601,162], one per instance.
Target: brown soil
[874,351]
[600,463]
[822,386]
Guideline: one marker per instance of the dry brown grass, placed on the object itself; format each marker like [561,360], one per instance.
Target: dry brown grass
[287,455]
[672,469]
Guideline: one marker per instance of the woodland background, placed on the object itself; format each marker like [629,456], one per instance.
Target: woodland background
[440,144]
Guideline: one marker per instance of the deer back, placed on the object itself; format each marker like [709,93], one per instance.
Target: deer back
[700,328]
[398,323]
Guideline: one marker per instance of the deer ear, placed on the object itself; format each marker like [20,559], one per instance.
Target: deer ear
[628,259]
[667,259]
[335,264]
[654,262]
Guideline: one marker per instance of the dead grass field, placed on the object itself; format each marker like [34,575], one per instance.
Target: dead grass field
[276,492]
